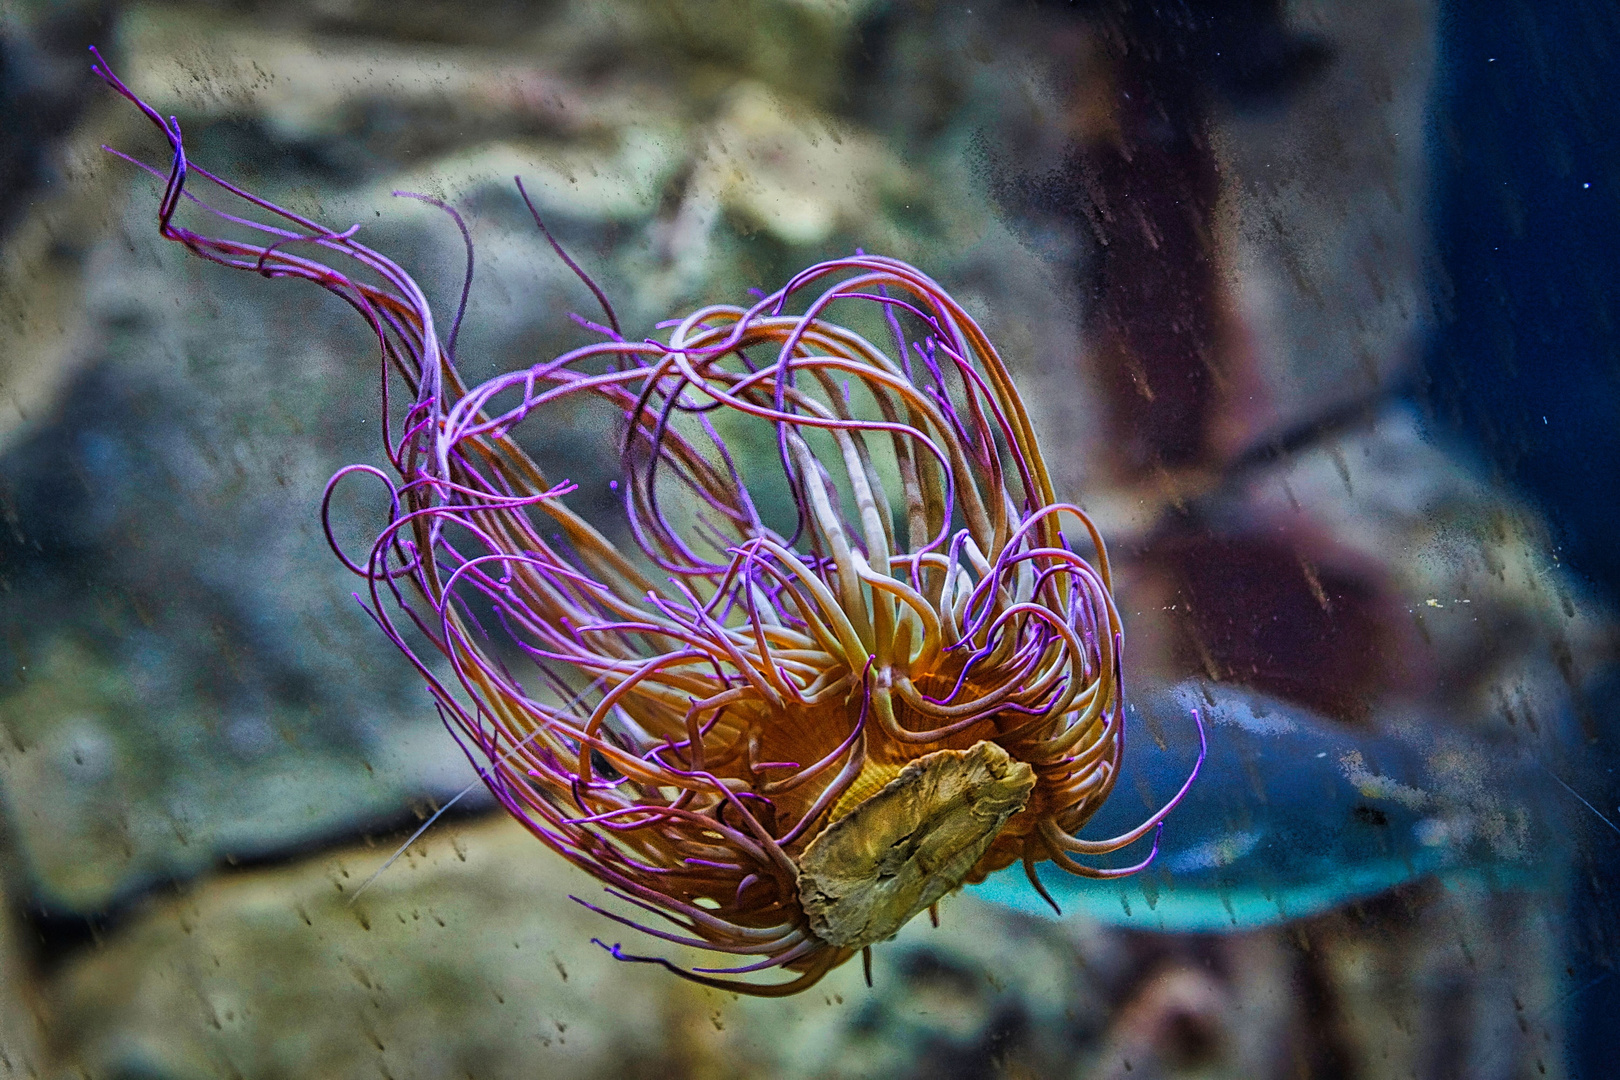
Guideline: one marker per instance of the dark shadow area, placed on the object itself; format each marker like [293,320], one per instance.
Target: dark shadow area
[1527,369]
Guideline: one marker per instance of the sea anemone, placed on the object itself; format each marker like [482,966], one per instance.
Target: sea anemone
[850,661]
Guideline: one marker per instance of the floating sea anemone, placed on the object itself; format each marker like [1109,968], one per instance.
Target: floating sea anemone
[781,740]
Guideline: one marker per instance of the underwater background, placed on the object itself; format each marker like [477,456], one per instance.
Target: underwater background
[1311,303]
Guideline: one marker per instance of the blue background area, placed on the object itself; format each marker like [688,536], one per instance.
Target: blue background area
[1528,116]
[1526,366]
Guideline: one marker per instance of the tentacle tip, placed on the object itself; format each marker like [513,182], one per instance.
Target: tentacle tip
[1158,835]
[1203,742]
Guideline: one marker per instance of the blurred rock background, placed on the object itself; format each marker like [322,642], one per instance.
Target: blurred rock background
[1201,232]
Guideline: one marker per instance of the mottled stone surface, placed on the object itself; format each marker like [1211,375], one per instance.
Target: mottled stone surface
[468,957]
[465,956]
[185,674]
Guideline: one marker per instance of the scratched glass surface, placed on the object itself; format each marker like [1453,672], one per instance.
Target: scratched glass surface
[1305,307]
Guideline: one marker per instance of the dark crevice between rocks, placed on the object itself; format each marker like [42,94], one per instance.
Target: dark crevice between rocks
[54,935]
[43,90]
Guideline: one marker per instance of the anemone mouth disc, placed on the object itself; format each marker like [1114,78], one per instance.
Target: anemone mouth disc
[910,844]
